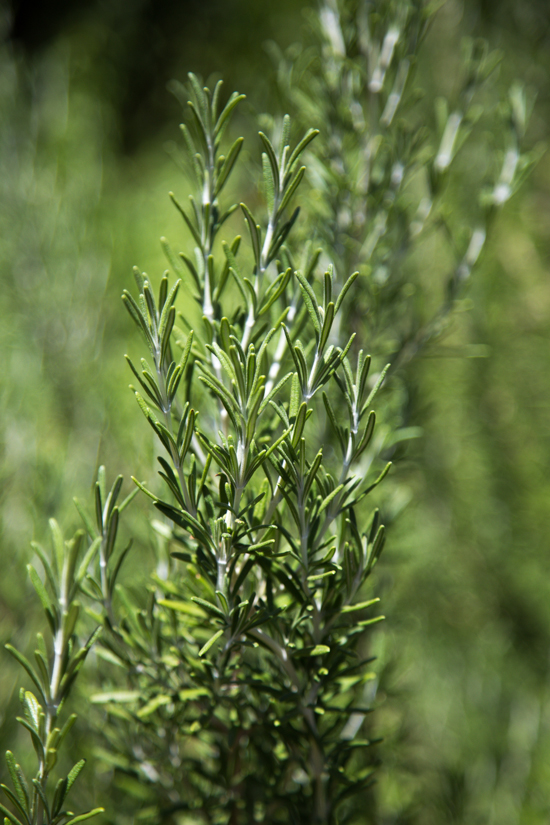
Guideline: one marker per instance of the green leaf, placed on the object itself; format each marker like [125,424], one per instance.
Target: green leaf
[143,488]
[69,620]
[189,694]
[285,137]
[32,708]
[327,292]
[380,478]
[367,435]
[24,662]
[224,116]
[199,94]
[228,165]
[112,529]
[310,301]
[216,99]
[378,544]
[282,234]
[269,182]
[73,774]
[42,665]
[210,642]
[375,388]
[153,705]
[200,125]
[272,158]
[123,696]
[19,782]
[312,472]
[330,497]
[319,650]
[223,395]
[172,258]
[15,802]
[35,738]
[274,391]
[114,493]
[332,418]
[187,436]
[137,316]
[327,326]
[299,425]
[344,291]
[274,291]
[295,394]
[317,576]
[46,565]
[255,233]
[290,190]
[351,608]
[168,305]
[84,816]
[58,545]
[189,608]
[152,311]
[235,270]
[302,145]
[90,553]
[116,569]
[211,608]
[66,728]
[85,518]
[369,622]
[8,815]
[223,601]
[193,272]
[190,225]
[301,376]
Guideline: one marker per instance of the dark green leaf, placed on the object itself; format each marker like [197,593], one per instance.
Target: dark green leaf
[291,189]
[19,782]
[255,233]
[228,165]
[190,225]
[24,662]
[224,116]
[344,291]
[8,814]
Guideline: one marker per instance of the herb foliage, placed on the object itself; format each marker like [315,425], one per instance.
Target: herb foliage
[247,684]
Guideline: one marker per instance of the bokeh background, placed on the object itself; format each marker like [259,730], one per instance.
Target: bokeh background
[87,130]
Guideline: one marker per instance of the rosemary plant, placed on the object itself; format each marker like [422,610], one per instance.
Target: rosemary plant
[247,666]
[265,484]
[53,674]
[246,679]
[384,181]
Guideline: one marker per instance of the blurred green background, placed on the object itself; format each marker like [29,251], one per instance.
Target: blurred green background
[87,129]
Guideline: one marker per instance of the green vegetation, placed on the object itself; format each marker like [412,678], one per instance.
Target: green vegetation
[239,656]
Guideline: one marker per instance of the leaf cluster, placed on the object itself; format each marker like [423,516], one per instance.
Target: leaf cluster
[53,675]
[386,180]
[247,655]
